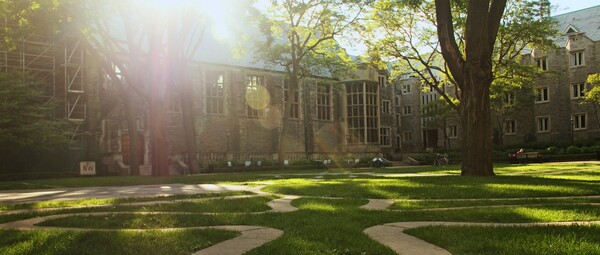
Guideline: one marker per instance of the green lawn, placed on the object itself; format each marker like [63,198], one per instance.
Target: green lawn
[329,220]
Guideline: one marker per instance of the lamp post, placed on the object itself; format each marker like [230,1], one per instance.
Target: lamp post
[572,128]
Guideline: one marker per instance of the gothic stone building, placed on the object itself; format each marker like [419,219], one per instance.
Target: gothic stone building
[237,105]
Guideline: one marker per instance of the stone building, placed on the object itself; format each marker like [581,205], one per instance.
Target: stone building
[237,105]
[554,112]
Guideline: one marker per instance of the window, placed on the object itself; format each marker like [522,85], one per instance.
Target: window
[453,131]
[579,121]
[407,110]
[577,90]
[407,137]
[398,120]
[385,137]
[405,89]
[397,101]
[382,80]
[509,98]
[543,124]
[510,127]
[323,102]
[175,103]
[215,92]
[578,58]
[255,95]
[363,113]
[385,106]
[541,95]
[542,63]
[295,104]
[372,114]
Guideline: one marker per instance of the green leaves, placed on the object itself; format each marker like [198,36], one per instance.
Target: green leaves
[593,94]
[302,35]
[27,120]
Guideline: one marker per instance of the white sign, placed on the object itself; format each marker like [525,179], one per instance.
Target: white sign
[87,168]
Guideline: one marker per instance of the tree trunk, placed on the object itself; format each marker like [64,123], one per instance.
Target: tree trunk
[189,127]
[158,138]
[130,113]
[475,119]
[472,70]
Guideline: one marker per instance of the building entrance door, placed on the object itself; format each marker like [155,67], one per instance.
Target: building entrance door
[125,148]
[430,139]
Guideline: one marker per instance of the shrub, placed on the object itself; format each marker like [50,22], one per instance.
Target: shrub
[552,150]
[590,149]
[573,150]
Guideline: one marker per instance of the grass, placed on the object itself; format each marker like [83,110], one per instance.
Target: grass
[433,204]
[447,187]
[113,242]
[513,240]
[334,226]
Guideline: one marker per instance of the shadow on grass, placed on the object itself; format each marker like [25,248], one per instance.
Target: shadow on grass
[442,187]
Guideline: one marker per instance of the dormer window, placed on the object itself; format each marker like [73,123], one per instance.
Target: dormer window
[571,30]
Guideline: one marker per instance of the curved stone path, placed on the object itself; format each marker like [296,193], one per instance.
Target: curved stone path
[392,234]
[251,236]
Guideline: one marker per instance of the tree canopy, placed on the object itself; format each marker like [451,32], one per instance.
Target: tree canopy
[475,45]
[27,121]
[300,37]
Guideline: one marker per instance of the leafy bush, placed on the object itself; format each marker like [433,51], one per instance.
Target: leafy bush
[573,150]
[553,150]
[590,149]
[424,158]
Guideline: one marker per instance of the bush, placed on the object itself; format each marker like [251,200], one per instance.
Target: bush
[425,158]
[590,149]
[552,150]
[573,150]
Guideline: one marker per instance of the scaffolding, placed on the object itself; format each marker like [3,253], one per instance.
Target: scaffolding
[57,63]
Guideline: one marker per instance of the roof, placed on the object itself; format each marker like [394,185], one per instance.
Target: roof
[585,21]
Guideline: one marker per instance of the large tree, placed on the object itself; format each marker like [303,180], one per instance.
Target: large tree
[33,125]
[425,44]
[152,45]
[300,37]
[471,68]
[27,122]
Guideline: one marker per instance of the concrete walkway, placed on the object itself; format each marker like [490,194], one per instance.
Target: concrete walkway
[392,234]
[28,196]
[251,236]
[378,204]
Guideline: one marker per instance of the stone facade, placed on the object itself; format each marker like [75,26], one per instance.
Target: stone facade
[228,128]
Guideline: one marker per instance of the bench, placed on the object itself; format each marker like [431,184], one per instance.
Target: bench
[525,157]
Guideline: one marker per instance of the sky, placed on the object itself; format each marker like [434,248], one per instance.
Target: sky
[565,6]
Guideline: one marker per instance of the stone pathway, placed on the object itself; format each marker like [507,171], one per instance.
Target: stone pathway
[251,236]
[29,196]
[378,204]
[392,234]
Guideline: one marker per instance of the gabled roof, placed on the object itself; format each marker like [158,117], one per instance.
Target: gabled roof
[582,21]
